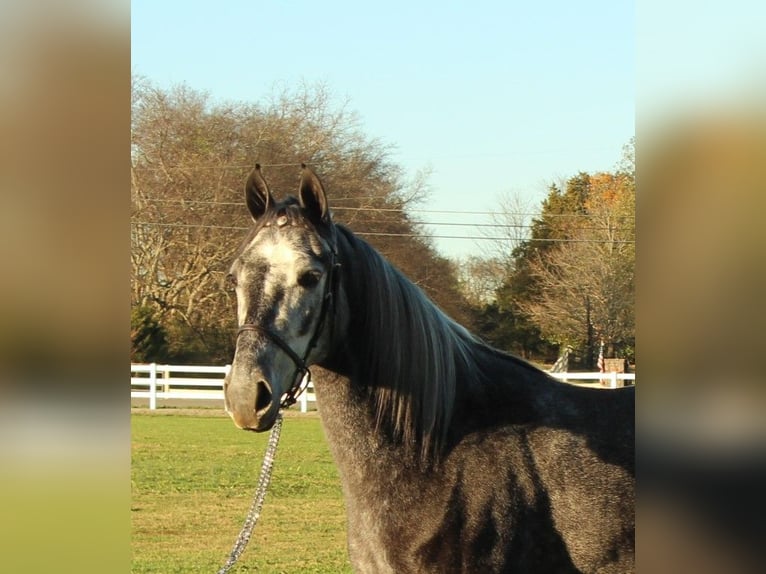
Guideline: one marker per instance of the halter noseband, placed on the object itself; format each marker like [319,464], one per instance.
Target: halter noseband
[302,376]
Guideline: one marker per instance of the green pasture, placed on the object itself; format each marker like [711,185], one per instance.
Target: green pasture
[193,475]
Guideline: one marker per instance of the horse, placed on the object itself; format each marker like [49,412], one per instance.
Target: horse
[453,456]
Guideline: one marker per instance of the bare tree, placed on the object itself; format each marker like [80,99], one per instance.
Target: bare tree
[509,229]
[189,159]
[480,278]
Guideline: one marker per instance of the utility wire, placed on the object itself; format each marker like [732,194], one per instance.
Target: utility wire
[385,234]
[492,225]
[385,209]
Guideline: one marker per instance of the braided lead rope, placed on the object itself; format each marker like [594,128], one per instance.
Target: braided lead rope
[260,493]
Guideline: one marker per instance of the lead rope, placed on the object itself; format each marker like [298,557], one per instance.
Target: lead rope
[260,494]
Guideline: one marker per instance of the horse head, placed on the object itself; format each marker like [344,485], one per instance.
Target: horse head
[283,278]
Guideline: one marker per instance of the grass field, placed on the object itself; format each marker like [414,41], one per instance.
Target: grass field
[193,475]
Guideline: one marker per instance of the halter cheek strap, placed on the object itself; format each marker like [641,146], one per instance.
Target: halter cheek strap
[302,372]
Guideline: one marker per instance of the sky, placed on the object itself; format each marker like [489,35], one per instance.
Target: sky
[494,98]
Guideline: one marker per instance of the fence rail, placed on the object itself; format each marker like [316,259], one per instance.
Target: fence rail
[168,382]
[611,380]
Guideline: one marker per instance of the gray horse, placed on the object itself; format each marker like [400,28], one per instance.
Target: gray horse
[453,456]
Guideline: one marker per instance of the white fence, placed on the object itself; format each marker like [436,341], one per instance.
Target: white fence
[610,380]
[168,382]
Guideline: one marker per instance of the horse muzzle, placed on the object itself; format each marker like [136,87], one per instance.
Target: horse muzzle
[252,404]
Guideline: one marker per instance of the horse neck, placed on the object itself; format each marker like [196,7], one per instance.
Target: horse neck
[347,422]
[400,358]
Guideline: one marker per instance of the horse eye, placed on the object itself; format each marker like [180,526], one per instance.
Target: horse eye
[309,279]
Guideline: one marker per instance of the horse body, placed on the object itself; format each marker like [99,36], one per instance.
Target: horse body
[453,456]
[513,497]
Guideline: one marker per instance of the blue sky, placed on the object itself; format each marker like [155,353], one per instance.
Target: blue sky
[493,97]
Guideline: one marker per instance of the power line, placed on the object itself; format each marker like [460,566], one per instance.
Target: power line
[386,234]
[509,225]
[388,209]
[492,225]
[227,166]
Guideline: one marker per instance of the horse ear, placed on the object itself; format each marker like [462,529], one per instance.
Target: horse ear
[312,196]
[257,194]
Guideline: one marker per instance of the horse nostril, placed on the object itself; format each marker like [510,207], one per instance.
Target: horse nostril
[262,396]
